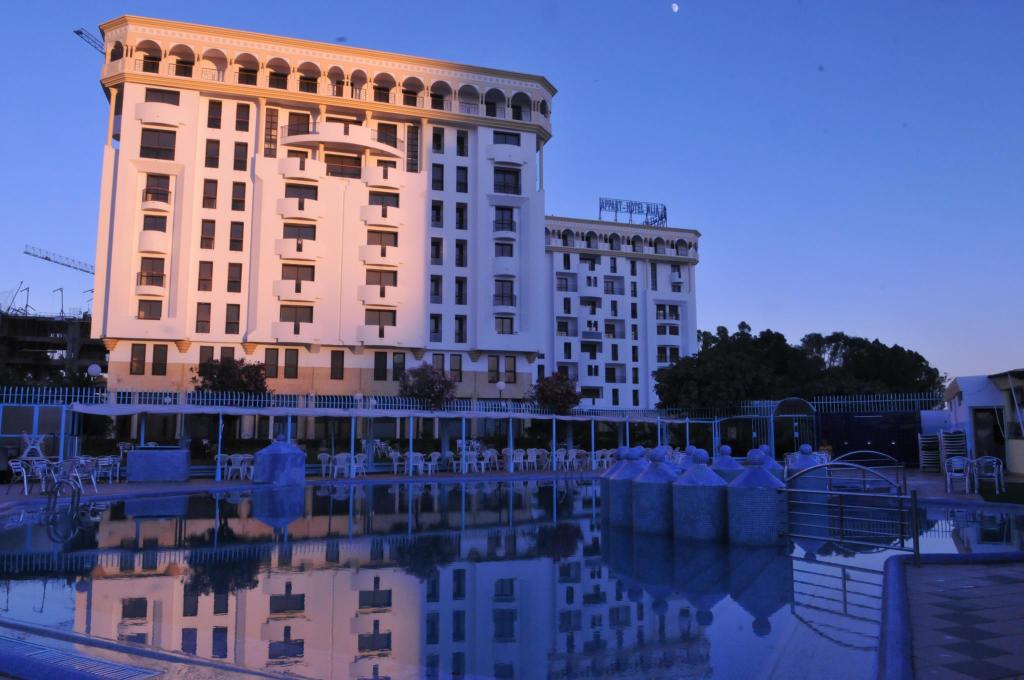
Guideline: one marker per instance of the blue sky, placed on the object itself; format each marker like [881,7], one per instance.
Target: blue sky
[852,166]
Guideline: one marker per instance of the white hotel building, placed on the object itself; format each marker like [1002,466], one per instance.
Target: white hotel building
[341,214]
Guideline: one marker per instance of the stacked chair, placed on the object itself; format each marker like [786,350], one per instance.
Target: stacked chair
[928,452]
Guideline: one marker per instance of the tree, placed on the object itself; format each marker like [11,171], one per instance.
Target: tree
[730,368]
[230,375]
[556,393]
[428,384]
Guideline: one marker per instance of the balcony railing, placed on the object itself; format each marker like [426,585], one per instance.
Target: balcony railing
[147,65]
[375,642]
[504,225]
[180,69]
[470,108]
[298,282]
[150,279]
[505,300]
[212,74]
[502,186]
[287,604]
[374,599]
[246,78]
[156,194]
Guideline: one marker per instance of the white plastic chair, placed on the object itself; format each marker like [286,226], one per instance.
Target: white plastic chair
[235,466]
[988,469]
[222,461]
[18,470]
[958,467]
[415,462]
[518,460]
[432,462]
[325,463]
[359,465]
[396,460]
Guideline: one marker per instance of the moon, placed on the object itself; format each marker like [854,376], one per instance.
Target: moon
[675,7]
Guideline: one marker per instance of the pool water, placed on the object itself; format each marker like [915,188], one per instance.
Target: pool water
[464,580]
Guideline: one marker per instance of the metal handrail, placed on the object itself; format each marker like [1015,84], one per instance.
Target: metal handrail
[150,279]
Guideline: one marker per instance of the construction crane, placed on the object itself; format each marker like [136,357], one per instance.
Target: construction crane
[90,40]
[60,259]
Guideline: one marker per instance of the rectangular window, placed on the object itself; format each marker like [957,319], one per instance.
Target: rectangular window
[503,325]
[437,214]
[503,219]
[220,602]
[455,367]
[213,114]
[227,354]
[437,361]
[510,138]
[381,277]
[208,232]
[344,166]
[338,364]
[436,251]
[291,364]
[154,223]
[458,584]
[205,354]
[437,140]
[461,179]
[270,134]
[504,625]
[461,216]
[296,314]
[241,156]
[493,368]
[506,181]
[150,310]
[437,177]
[242,118]
[432,627]
[460,290]
[219,645]
[209,193]
[462,143]
[159,360]
[188,641]
[270,362]
[157,144]
[134,608]
[397,365]
[307,84]
[137,366]
[458,626]
[234,277]
[504,292]
[158,188]
[236,236]
[380,318]
[232,314]
[238,196]
[654,276]
[460,253]
[301,232]
[510,368]
[387,133]
[203,317]
[212,153]
[436,296]
[384,239]
[380,365]
[460,328]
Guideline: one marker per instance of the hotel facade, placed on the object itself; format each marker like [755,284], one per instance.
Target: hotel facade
[343,214]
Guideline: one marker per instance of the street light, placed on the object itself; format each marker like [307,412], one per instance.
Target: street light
[501,388]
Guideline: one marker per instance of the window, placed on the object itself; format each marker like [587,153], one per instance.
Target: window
[387,133]
[437,361]
[458,624]
[157,144]
[270,134]
[380,365]
[154,223]
[461,143]
[503,325]
[460,328]
[493,369]
[242,118]
[298,273]
[209,193]
[291,364]
[238,196]
[150,310]
[213,114]
[460,290]
[188,641]
[510,368]
[380,318]
[382,278]
[234,277]
[432,627]
[241,156]
[344,166]
[504,625]
[437,140]
[503,249]
[503,219]
[436,251]
[510,138]
[212,153]
[270,361]
[237,232]
[437,214]
[654,276]
[205,276]
[455,367]
[205,353]
[134,608]
[207,233]
[506,181]
[301,232]
[338,364]
[220,602]
[219,645]
[503,292]
[436,288]
[461,179]
[460,253]
[437,177]
[296,314]
[397,365]
[231,316]
[137,366]
[203,317]
[461,212]
[458,584]
[384,239]
[307,84]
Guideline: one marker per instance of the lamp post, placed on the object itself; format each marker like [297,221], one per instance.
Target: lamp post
[500,385]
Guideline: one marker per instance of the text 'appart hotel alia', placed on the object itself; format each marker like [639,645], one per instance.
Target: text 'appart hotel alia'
[343,214]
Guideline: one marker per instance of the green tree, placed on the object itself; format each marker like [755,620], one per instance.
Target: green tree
[428,384]
[230,375]
[556,393]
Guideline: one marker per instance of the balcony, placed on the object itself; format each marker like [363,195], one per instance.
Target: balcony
[159,113]
[374,643]
[505,266]
[377,335]
[301,168]
[381,216]
[149,283]
[154,242]
[383,178]
[343,136]
[295,290]
[379,295]
[508,153]
[156,199]
[287,605]
[296,249]
[375,599]
[590,335]
[291,331]
[386,255]
[299,209]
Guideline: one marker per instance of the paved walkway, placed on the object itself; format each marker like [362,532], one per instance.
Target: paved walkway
[967,620]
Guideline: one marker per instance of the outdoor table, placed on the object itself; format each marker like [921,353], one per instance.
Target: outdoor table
[159,464]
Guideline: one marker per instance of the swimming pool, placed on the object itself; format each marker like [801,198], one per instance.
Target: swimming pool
[475,580]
